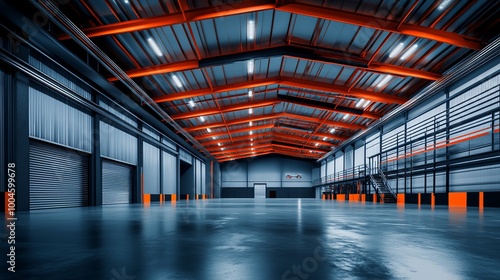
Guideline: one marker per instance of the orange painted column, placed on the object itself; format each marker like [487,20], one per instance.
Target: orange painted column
[374,197]
[433,200]
[146,199]
[323,197]
[341,197]
[419,199]
[401,198]
[457,199]
[481,200]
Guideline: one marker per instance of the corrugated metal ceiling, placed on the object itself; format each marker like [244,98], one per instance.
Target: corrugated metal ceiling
[322,70]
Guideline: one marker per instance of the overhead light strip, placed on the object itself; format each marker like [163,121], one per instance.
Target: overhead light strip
[155,47]
[251,29]
[396,50]
[409,52]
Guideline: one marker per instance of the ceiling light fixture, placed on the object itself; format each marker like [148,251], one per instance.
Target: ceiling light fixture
[368,102]
[443,4]
[251,132]
[251,29]
[251,139]
[209,130]
[250,66]
[324,138]
[396,50]
[250,123]
[346,116]
[250,111]
[219,144]
[202,119]
[191,103]
[332,130]
[222,149]
[250,93]
[251,144]
[213,137]
[155,47]
[177,82]
[358,104]
[409,52]
[317,144]
[384,81]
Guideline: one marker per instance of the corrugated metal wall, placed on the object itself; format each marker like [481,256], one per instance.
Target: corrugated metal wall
[151,169]
[58,73]
[169,179]
[204,179]
[197,174]
[57,121]
[117,144]
[234,174]
[151,132]
[185,156]
[118,112]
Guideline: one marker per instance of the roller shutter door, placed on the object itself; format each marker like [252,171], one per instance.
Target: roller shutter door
[116,182]
[58,177]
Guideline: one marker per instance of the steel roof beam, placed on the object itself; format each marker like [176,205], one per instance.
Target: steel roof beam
[292,82]
[246,129]
[258,137]
[299,52]
[383,24]
[277,116]
[230,108]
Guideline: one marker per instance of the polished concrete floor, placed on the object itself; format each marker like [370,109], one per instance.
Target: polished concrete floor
[256,239]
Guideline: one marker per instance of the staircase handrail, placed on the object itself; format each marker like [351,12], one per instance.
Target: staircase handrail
[386,183]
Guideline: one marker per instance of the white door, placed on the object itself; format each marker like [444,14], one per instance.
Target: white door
[259,190]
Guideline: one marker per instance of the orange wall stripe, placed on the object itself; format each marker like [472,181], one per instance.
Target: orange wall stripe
[457,199]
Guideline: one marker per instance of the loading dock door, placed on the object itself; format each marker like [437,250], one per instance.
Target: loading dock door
[58,177]
[116,182]
[259,190]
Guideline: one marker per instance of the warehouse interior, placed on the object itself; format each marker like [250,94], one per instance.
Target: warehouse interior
[240,139]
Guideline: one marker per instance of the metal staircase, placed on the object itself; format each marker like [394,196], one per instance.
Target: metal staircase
[381,186]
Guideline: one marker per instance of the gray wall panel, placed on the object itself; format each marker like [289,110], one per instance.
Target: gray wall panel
[169,173]
[151,169]
[56,121]
[117,144]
